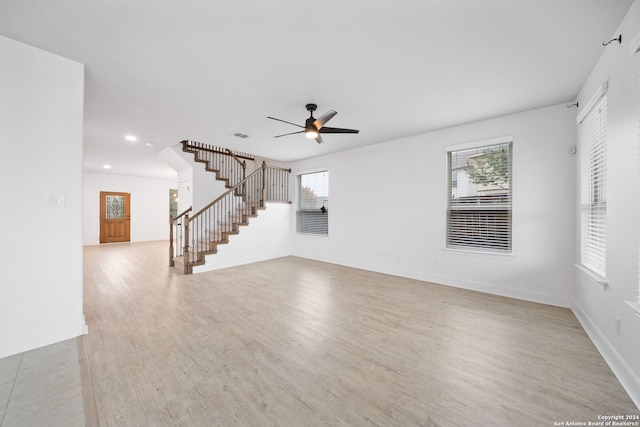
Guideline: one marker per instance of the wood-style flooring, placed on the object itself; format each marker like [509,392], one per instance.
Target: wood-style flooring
[295,342]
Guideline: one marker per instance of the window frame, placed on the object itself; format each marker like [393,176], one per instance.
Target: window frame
[593,174]
[506,206]
[312,212]
[635,51]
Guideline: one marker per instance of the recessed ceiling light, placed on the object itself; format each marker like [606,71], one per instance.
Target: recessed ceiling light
[106,166]
[150,144]
[131,138]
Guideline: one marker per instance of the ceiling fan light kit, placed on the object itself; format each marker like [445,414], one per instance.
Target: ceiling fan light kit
[311,134]
[314,127]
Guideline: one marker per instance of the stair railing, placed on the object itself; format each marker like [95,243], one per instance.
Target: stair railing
[213,224]
[276,182]
[229,166]
[176,230]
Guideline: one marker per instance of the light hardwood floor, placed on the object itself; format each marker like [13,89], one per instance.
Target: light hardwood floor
[295,342]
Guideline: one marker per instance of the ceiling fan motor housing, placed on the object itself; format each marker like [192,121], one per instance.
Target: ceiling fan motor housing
[309,124]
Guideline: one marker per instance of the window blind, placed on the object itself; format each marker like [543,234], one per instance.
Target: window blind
[479,198]
[592,136]
[635,50]
[312,216]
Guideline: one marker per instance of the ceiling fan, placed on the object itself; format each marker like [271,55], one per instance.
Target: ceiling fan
[314,127]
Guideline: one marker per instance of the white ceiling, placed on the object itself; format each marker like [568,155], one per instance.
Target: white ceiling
[203,70]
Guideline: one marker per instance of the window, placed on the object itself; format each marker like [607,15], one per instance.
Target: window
[479,196]
[313,203]
[592,140]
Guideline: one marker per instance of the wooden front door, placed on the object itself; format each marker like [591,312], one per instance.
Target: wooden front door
[114,217]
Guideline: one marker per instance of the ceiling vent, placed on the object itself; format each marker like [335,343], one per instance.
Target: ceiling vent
[240,135]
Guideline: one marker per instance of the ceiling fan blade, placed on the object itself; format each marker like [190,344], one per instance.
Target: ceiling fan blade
[284,121]
[319,139]
[292,133]
[322,120]
[337,130]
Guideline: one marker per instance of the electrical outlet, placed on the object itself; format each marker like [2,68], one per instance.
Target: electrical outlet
[617,325]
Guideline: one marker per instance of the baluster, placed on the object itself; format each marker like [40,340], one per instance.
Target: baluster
[179,239]
[200,232]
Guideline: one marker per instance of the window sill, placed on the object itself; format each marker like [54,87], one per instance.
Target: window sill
[298,233]
[635,306]
[478,253]
[595,278]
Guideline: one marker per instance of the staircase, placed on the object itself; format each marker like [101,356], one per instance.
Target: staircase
[199,235]
[228,166]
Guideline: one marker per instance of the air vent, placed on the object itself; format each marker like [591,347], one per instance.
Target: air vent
[240,135]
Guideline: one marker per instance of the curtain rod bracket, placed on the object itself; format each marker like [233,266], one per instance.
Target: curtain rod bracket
[617,39]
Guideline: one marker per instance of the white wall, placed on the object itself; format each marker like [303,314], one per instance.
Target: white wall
[266,237]
[41,113]
[597,308]
[185,184]
[388,209]
[149,205]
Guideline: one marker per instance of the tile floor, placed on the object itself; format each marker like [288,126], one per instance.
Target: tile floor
[43,387]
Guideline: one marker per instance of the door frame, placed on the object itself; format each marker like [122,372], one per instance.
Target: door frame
[107,225]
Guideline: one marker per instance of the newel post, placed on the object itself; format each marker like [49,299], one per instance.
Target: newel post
[185,253]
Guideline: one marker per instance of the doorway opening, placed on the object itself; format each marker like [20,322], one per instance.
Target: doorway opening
[173,202]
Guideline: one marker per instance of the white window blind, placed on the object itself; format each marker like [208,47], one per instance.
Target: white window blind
[592,139]
[479,198]
[312,216]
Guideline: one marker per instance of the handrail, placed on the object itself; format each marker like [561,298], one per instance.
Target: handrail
[183,213]
[232,154]
[225,194]
[243,163]
[279,168]
[261,169]
[186,143]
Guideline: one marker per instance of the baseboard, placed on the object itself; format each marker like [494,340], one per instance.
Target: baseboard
[630,382]
[520,294]
[214,263]
[41,339]
[542,298]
